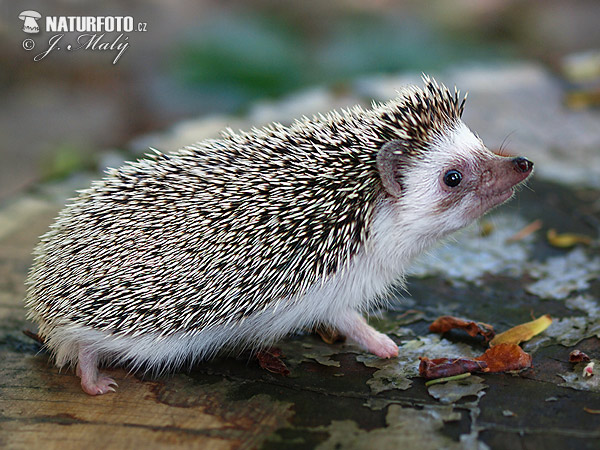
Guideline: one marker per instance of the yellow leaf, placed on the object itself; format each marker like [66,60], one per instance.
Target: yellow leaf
[522,332]
[486,228]
[566,240]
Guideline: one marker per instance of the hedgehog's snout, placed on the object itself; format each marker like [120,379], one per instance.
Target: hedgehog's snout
[522,165]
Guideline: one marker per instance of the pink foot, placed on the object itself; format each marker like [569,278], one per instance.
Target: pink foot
[354,326]
[92,381]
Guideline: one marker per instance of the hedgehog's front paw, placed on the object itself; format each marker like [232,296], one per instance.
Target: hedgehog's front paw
[356,328]
[382,346]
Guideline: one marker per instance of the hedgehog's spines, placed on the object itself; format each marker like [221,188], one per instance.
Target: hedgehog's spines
[220,230]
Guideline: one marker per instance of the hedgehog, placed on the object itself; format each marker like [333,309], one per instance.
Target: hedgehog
[234,243]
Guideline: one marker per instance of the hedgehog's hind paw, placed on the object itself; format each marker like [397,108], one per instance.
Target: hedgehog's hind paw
[101,385]
[92,381]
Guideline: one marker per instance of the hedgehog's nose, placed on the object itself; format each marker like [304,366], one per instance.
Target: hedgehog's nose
[522,165]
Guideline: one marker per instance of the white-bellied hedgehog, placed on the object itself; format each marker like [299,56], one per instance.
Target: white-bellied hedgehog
[234,243]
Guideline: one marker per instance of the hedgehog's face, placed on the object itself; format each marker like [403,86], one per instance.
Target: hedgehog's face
[455,181]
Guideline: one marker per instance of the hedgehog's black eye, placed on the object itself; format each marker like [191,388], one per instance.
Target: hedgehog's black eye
[452,178]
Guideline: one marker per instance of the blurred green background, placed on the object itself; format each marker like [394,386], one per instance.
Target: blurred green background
[208,57]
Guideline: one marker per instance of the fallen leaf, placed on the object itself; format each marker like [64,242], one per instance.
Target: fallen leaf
[444,367]
[447,323]
[578,356]
[522,332]
[486,228]
[526,231]
[270,360]
[505,357]
[583,99]
[330,335]
[465,385]
[566,240]
[591,411]
[462,376]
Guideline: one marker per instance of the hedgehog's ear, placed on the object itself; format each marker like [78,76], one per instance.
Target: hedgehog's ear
[389,161]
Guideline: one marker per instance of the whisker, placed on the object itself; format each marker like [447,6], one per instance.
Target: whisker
[501,150]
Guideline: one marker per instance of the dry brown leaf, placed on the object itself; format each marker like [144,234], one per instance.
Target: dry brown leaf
[447,323]
[505,357]
[522,332]
[526,231]
[566,240]
[577,356]
[330,335]
[444,367]
[271,360]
